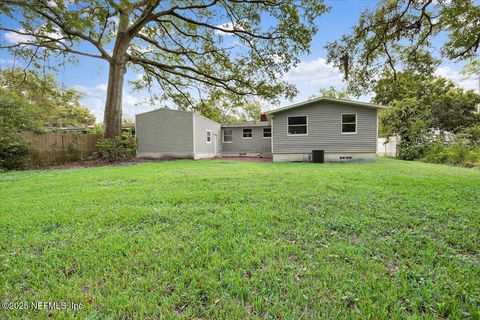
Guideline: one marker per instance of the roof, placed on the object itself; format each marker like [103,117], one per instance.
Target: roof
[323,99]
[247,124]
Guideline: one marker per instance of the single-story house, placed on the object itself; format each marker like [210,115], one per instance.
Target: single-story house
[332,130]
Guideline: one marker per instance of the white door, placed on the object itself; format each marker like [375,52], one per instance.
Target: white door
[215,144]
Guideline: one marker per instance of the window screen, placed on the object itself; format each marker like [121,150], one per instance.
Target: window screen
[247,133]
[297,125]
[227,135]
[349,123]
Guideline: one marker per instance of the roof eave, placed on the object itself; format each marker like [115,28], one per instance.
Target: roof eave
[350,102]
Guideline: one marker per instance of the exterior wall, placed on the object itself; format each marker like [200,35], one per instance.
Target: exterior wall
[324,132]
[256,145]
[329,157]
[203,149]
[164,133]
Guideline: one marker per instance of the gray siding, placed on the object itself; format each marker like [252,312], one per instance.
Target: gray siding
[257,144]
[324,129]
[164,132]
[202,148]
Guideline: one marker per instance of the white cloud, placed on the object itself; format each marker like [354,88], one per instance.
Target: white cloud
[316,72]
[14,38]
[229,26]
[454,75]
[95,96]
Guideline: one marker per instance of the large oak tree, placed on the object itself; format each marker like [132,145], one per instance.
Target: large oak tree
[181,45]
[399,32]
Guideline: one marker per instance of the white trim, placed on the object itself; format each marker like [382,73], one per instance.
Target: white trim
[298,125]
[376,115]
[341,123]
[271,140]
[251,131]
[263,133]
[206,138]
[193,131]
[215,140]
[320,99]
[223,135]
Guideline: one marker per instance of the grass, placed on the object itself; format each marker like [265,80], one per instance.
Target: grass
[224,239]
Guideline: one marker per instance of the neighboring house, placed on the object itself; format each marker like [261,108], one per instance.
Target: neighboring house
[343,130]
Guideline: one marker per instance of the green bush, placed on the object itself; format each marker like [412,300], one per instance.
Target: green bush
[473,133]
[460,152]
[115,149]
[413,150]
[14,152]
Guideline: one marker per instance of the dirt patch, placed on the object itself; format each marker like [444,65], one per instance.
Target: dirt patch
[246,159]
[102,162]
[98,163]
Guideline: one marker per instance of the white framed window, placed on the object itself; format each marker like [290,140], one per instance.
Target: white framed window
[349,123]
[267,132]
[209,136]
[297,126]
[227,135]
[247,133]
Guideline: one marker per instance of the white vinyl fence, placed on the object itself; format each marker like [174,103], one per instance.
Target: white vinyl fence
[388,149]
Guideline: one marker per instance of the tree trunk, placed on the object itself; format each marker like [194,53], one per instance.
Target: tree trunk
[112,120]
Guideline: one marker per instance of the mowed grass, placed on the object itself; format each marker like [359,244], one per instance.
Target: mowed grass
[229,240]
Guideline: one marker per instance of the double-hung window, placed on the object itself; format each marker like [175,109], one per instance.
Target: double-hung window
[349,123]
[247,134]
[267,132]
[227,135]
[209,136]
[297,125]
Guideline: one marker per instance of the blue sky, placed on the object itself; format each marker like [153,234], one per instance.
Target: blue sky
[90,75]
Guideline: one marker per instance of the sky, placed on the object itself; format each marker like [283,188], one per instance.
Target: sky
[90,75]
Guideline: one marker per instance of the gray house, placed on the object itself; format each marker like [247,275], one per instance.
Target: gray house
[341,130]
[165,133]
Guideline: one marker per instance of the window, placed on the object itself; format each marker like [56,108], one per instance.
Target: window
[267,132]
[297,125]
[247,134]
[227,135]
[349,123]
[209,136]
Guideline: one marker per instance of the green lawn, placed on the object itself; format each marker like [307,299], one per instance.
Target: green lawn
[225,239]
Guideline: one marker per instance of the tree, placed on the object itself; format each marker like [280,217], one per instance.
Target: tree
[179,45]
[401,31]
[251,111]
[422,104]
[55,106]
[404,85]
[16,113]
[331,92]
[455,111]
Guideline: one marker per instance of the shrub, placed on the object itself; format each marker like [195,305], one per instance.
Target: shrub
[74,152]
[14,152]
[473,133]
[415,149]
[115,149]
[460,152]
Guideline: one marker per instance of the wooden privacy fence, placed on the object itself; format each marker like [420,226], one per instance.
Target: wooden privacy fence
[59,147]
